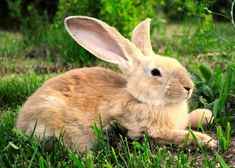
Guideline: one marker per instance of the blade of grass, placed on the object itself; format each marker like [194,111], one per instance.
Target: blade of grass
[221,160]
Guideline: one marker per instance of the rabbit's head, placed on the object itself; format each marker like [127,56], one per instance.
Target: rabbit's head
[152,79]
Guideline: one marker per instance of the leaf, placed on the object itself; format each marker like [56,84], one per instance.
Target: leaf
[41,162]
[221,160]
[186,140]
[137,145]
[108,165]
[228,80]
[206,90]
[195,139]
[13,145]
[115,156]
[223,142]
[77,161]
[216,109]
[228,133]
[233,95]
[206,72]
[19,133]
[33,156]
[219,105]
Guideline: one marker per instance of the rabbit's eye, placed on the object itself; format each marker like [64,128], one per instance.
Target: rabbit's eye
[156,72]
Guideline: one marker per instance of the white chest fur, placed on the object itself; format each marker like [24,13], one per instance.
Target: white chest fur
[153,119]
[167,117]
[176,115]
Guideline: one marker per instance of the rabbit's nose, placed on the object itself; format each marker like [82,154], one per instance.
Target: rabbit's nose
[187,88]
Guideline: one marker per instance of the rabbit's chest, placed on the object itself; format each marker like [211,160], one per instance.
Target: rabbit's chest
[174,117]
[154,120]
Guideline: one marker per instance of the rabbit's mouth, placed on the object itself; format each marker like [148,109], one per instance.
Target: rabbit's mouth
[177,95]
[190,94]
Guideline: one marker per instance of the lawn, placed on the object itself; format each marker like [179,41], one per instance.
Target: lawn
[208,54]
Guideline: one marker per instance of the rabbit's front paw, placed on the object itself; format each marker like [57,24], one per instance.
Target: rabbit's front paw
[197,116]
[206,140]
[212,144]
[207,116]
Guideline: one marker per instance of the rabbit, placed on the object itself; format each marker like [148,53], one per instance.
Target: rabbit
[149,96]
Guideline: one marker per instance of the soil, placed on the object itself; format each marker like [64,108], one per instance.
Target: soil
[229,155]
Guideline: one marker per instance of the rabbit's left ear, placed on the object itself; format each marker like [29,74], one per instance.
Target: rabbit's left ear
[141,37]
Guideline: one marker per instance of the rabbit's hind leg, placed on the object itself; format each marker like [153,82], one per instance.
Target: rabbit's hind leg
[79,139]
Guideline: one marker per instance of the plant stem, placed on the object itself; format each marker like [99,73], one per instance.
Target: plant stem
[232,16]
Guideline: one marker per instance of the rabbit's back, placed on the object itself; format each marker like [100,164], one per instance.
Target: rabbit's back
[73,98]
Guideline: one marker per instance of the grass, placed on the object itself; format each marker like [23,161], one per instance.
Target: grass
[208,54]
[11,44]
[15,89]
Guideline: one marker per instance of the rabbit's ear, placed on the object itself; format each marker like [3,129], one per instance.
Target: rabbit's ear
[141,37]
[101,40]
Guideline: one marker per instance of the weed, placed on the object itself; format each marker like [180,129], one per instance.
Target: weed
[224,138]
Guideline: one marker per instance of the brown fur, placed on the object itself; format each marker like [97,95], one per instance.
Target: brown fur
[72,102]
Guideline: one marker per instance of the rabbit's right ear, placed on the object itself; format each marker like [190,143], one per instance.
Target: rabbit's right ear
[141,37]
[102,40]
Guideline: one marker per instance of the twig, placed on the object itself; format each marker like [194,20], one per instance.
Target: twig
[219,14]
[232,16]
[210,54]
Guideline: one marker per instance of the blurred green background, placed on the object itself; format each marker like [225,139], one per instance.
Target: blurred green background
[181,27]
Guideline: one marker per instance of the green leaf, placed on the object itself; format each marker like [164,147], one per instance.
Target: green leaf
[221,160]
[108,165]
[137,145]
[195,139]
[233,95]
[90,161]
[228,133]
[13,145]
[223,139]
[77,161]
[115,156]
[216,109]
[228,80]
[41,162]
[206,72]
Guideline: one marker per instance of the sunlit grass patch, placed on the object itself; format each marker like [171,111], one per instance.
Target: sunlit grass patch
[10,44]
[14,89]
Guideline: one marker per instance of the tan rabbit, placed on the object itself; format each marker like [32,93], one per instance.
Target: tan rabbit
[151,96]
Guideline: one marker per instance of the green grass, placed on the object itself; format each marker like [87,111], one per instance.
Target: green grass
[215,90]
[10,44]
[15,89]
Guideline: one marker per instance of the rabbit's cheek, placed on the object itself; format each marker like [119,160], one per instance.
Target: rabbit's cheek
[172,90]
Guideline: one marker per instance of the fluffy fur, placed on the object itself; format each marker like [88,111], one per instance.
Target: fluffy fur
[138,100]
